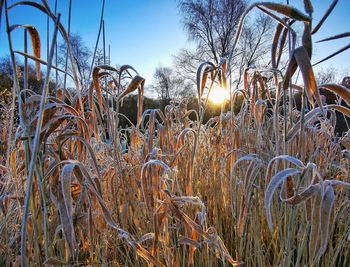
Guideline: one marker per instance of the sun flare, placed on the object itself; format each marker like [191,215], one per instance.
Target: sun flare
[218,95]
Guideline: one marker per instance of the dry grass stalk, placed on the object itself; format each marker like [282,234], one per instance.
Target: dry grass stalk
[157,200]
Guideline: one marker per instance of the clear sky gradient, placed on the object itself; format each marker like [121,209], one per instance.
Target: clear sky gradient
[146,33]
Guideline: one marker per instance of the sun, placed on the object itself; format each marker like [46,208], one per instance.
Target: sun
[218,95]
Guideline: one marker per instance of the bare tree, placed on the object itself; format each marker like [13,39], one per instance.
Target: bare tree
[82,55]
[254,46]
[211,24]
[5,65]
[168,85]
[328,75]
[162,76]
[99,58]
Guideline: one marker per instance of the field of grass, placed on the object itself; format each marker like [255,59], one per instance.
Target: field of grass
[267,186]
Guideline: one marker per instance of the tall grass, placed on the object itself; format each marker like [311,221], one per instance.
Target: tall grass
[171,191]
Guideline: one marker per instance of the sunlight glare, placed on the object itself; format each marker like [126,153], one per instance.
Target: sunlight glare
[218,95]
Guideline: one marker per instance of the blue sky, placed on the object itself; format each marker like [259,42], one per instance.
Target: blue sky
[141,33]
[146,33]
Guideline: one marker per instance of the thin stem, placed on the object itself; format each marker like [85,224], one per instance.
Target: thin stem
[56,56]
[36,145]
[302,122]
[47,36]
[202,109]
[104,52]
[16,87]
[25,72]
[98,38]
[67,50]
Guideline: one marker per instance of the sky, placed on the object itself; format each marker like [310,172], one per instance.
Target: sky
[142,33]
[147,33]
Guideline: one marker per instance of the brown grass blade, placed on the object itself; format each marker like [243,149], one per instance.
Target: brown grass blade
[333,54]
[302,196]
[223,73]
[276,181]
[285,10]
[340,90]
[36,47]
[291,69]
[107,68]
[325,16]
[315,226]
[126,68]
[96,83]
[309,9]
[274,45]
[66,206]
[135,83]
[246,80]
[307,39]
[282,44]
[202,75]
[42,9]
[327,204]
[335,37]
[303,60]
